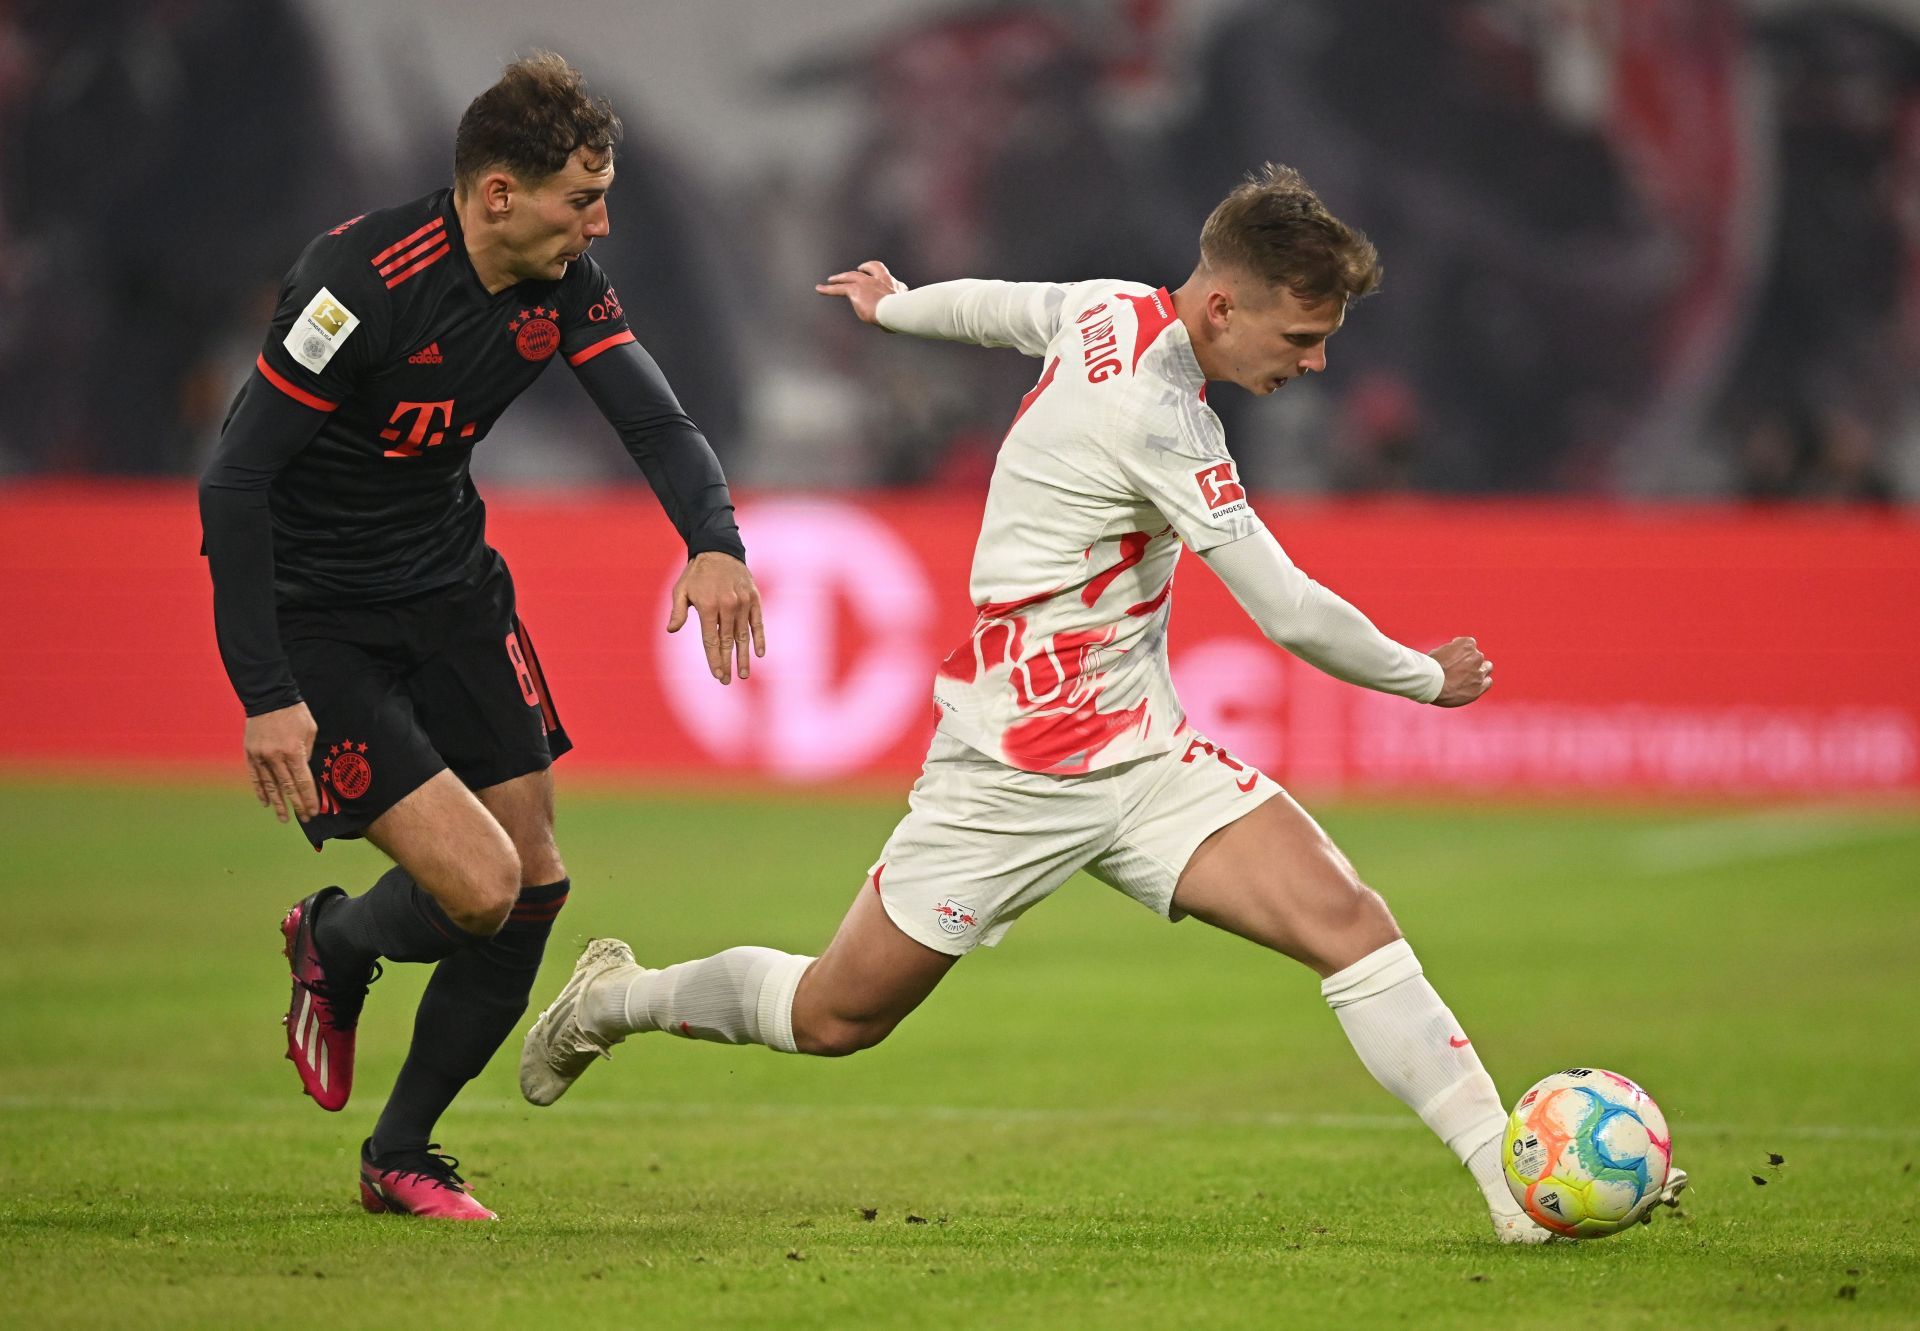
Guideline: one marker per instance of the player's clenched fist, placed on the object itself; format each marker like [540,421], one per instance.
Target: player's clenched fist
[863,287]
[1468,673]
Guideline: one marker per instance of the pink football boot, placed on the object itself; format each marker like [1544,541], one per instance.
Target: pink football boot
[325,1011]
[417,1183]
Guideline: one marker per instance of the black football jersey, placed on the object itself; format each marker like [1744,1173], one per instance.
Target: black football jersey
[384,325]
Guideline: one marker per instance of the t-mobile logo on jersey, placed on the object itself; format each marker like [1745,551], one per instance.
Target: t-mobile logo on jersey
[1220,489]
[421,433]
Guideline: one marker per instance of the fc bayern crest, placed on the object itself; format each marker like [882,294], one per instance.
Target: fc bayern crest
[347,770]
[535,334]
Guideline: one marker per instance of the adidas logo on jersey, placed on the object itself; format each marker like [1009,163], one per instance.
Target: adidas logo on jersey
[427,355]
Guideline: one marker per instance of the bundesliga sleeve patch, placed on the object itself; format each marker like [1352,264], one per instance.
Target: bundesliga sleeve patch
[1220,490]
[322,328]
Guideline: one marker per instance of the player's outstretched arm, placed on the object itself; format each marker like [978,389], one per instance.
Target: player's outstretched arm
[627,386]
[1328,633]
[1025,315]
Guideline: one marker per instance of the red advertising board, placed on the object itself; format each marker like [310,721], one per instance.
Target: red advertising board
[1638,650]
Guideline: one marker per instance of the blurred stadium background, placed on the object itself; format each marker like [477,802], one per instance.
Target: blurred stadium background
[1638,404]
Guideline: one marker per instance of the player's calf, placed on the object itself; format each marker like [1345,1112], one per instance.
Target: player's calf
[471,1005]
[830,1036]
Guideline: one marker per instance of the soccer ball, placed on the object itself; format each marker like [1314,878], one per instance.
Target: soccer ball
[1587,1152]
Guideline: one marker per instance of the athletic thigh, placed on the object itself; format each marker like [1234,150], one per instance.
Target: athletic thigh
[983,842]
[524,809]
[1276,878]
[444,837]
[1172,804]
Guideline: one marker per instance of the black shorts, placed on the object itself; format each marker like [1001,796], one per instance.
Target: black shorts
[401,691]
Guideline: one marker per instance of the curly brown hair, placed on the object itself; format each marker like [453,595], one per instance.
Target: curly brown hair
[532,121]
[1274,228]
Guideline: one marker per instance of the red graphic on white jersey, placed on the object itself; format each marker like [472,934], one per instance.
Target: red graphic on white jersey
[1219,487]
[1197,746]
[1056,683]
[1154,315]
[1133,549]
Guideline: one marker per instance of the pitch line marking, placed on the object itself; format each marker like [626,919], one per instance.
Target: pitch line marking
[1764,834]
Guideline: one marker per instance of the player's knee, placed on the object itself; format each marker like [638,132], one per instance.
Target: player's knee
[836,1037]
[1356,922]
[540,861]
[492,886]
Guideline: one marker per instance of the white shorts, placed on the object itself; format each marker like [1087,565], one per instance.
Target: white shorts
[982,842]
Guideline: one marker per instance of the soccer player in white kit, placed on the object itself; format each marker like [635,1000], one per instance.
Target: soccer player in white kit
[1061,744]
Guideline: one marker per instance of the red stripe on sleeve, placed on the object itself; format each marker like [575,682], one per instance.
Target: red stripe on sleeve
[427,262]
[405,241]
[291,389]
[586,354]
[407,257]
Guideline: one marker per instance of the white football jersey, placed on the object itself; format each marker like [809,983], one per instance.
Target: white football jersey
[1113,463]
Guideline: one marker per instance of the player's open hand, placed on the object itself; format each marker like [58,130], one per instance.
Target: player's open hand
[278,746]
[863,288]
[721,592]
[1468,673]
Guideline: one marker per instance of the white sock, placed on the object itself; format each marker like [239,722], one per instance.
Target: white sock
[1413,1047]
[741,996]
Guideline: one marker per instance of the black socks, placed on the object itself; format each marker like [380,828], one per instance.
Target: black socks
[472,1003]
[395,919]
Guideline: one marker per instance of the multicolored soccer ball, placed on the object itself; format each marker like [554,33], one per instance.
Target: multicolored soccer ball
[1587,1152]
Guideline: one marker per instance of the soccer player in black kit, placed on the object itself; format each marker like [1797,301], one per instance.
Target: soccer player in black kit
[390,687]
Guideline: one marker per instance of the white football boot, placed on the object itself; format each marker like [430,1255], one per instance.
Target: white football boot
[1517,1226]
[559,1048]
[1669,1194]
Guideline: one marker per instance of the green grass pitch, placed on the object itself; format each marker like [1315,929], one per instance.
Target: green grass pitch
[1107,1122]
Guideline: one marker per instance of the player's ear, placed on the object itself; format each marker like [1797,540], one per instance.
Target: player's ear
[497,190]
[1219,307]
